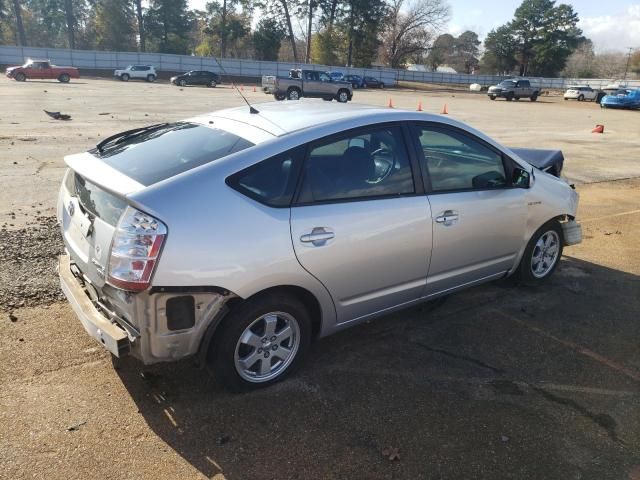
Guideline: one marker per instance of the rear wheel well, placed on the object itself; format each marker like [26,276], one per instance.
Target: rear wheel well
[305,296]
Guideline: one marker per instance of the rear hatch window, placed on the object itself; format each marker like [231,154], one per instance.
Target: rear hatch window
[93,200]
[166,150]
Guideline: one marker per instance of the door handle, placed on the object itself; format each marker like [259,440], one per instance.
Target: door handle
[447,218]
[318,237]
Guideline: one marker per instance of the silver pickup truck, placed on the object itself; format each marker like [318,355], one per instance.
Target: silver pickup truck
[306,83]
[514,89]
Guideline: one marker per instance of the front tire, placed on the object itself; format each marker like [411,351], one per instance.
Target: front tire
[64,78]
[293,94]
[20,77]
[542,254]
[260,342]
[492,97]
[124,77]
[182,83]
[279,96]
[580,98]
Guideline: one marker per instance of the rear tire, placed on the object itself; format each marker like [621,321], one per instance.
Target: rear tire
[20,77]
[541,255]
[151,78]
[343,96]
[212,84]
[260,342]
[64,78]
[534,97]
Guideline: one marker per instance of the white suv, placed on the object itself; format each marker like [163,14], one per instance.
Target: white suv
[139,72]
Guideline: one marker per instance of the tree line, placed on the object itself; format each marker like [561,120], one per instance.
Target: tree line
[543,38]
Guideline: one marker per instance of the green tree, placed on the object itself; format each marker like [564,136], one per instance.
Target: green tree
[362,26]
[441,51]
[466,52]
[546,35]
[500,50]
[167,25]
[267,39]
[113,25]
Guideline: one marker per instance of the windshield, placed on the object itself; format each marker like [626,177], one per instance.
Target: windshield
[507,83]
[160,153]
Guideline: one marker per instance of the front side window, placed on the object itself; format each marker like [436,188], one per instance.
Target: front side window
[271,181]
[455,161]
[368,164]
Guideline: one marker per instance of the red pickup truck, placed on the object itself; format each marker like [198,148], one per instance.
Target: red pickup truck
[42,69]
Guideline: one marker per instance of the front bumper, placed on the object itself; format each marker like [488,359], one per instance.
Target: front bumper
[110,335]
[572,232]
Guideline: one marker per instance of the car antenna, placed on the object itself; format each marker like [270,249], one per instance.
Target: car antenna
[251,108]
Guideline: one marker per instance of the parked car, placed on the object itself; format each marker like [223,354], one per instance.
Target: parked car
[42,70]
[306,83]
[356,81]
[372,82]
[626,98]
[336,76]
[583,92]
[137,72]
[196,77]
[237,238]
[514,89]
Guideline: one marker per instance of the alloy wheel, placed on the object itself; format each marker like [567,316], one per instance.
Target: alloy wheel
[267,347]
[545,254]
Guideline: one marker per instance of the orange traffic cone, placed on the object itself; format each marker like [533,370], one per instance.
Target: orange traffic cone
[390,103]
[420,106]
[444,110]
[598,129]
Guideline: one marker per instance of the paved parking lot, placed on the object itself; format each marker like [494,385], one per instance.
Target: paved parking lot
[499,382]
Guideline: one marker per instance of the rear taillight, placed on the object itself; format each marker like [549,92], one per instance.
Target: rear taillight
[135,248]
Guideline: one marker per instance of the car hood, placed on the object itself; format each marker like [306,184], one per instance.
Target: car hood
[11,69]
[550,161]
[495,89]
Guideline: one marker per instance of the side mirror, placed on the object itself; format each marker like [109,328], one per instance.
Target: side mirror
[521,178]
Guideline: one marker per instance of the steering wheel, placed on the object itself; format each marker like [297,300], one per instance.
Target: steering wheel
[384,152]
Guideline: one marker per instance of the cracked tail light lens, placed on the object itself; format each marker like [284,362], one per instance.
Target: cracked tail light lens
[135,249]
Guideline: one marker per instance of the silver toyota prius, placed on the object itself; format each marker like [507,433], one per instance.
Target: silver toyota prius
[240,236]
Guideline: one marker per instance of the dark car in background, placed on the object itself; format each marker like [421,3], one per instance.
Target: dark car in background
[196,77]
[372,82]
[356,80]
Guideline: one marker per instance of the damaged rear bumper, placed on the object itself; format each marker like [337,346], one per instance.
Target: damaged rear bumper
[110,335]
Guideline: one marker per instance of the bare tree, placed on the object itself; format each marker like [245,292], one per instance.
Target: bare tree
[17,11]
[410,28]
[71,23]
[140,21]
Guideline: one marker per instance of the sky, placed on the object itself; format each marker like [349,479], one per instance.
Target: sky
[612,25]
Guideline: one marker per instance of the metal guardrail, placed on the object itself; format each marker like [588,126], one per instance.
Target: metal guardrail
[101,60]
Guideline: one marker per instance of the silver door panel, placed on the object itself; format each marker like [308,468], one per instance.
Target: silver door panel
[378,256]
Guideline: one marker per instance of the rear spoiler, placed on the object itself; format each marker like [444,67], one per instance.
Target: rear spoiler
[550,161]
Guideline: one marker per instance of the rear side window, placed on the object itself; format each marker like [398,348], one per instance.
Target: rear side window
[168,150]
[372,163]
[272,181]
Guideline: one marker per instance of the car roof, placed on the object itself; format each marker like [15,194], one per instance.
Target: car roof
[282,118]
